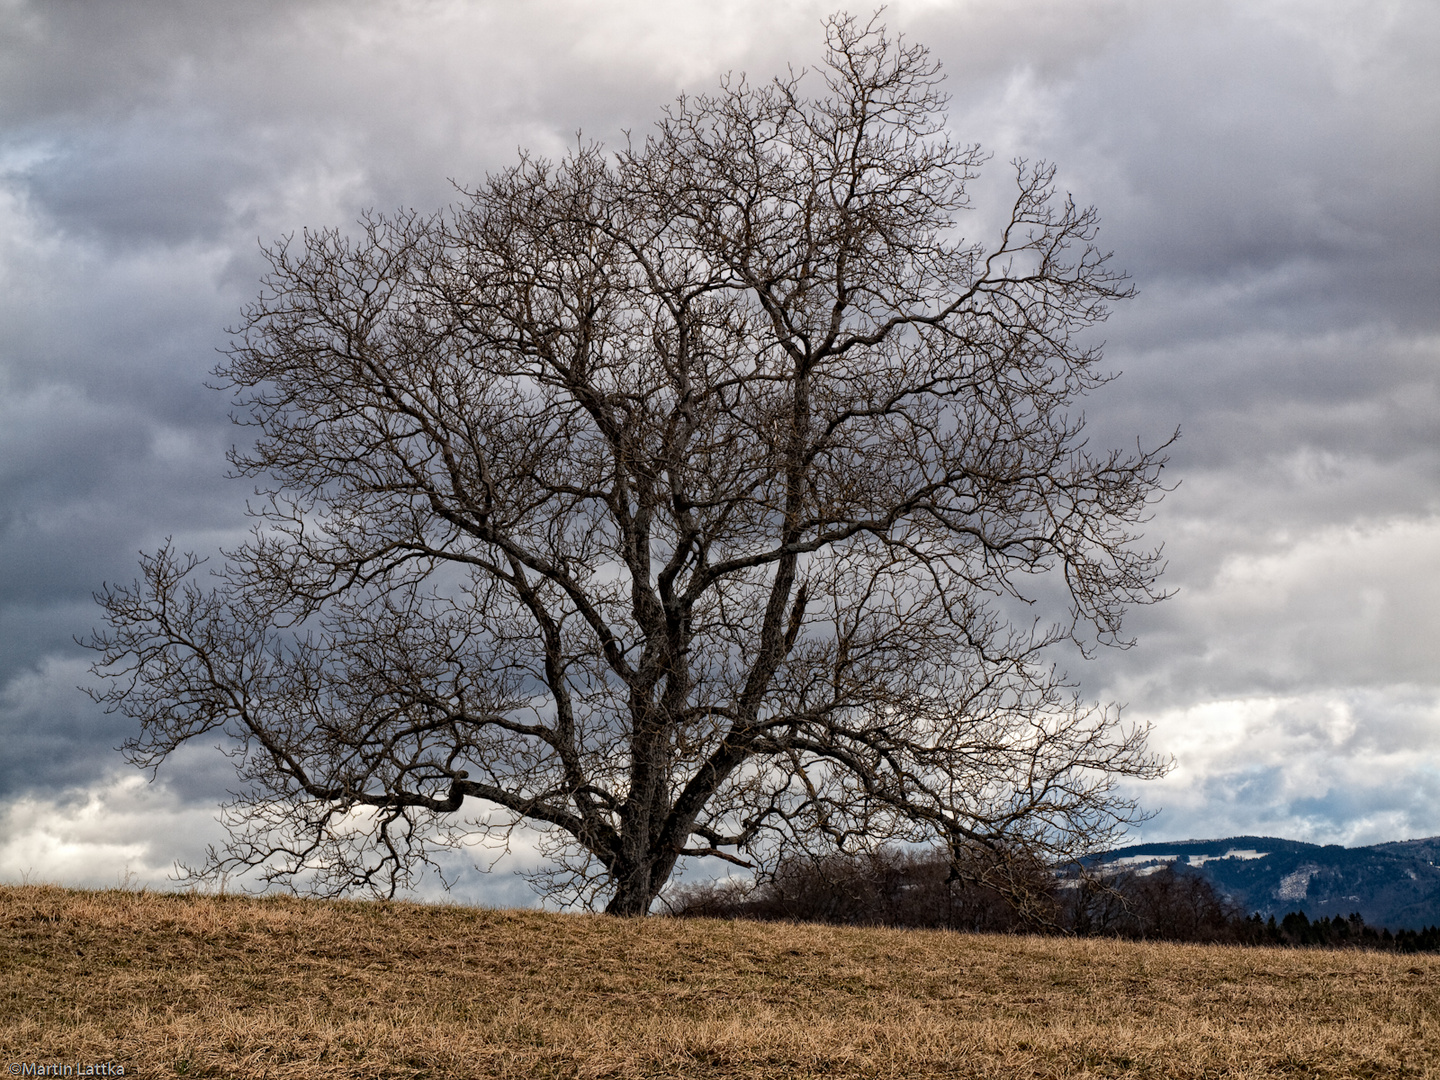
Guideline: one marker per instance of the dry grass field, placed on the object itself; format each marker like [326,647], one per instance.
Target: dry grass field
[169,985]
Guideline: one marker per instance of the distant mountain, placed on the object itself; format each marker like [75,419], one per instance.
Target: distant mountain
[1394,885]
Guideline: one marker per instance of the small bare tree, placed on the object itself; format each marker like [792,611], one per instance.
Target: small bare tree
[677,503]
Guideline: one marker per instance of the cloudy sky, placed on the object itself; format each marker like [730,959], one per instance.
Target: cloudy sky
[1266,170]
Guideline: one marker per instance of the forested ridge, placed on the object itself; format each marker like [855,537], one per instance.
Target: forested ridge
[1168,902]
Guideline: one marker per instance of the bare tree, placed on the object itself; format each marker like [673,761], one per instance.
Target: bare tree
[677,503]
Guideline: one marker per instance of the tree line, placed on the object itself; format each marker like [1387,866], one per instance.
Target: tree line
[926,890]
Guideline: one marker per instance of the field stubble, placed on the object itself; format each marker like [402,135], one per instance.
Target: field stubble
[171,985]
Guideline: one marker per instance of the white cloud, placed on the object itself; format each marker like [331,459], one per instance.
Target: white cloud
[121,830]
[127,830]
[1351,767]
[1349,604]
[1286,610]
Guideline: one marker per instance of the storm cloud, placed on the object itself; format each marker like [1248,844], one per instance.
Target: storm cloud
[1266,171]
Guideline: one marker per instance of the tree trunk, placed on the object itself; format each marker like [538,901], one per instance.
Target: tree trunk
[634,893]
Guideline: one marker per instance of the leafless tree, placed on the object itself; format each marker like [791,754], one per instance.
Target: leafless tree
[707,499]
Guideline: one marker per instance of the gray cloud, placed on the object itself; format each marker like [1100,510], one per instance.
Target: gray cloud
[1266,172]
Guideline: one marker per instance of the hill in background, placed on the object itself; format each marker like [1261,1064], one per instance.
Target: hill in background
[1395,885]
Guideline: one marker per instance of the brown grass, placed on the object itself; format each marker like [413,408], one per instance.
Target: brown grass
[170,985]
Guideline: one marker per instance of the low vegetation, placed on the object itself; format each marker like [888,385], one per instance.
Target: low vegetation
[170,985]
[918,889]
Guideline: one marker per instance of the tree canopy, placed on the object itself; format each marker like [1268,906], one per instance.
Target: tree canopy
[708,498]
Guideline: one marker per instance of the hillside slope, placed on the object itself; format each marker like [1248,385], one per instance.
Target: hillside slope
[194,986]
[1395,885]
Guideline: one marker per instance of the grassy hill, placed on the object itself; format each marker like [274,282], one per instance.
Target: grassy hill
[169,985]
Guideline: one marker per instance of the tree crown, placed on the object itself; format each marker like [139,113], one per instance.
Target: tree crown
[669,502]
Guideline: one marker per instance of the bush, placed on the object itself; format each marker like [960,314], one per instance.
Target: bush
[1166,905]
[883,888]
